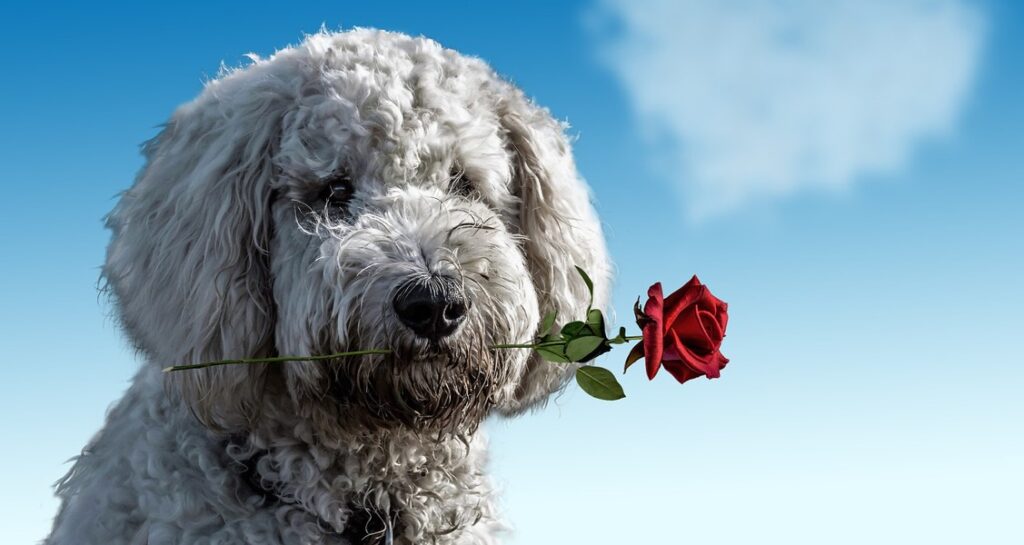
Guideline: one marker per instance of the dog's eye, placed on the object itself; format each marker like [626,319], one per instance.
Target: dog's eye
[338,190]
[460,184]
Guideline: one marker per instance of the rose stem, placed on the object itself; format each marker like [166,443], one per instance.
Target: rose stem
[277,359]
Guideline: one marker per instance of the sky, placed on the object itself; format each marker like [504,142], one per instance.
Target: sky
[847,175]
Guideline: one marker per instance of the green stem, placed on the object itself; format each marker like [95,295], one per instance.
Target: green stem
[529,345]
[277,359]
[280,359]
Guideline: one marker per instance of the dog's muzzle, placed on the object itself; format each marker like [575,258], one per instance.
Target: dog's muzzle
[433,309]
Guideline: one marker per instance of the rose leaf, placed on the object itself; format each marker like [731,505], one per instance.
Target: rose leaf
[579,348]
[589,283]
[554,353]
[550,338]
[547,323]
[599,382]
[572,330]
[595,321]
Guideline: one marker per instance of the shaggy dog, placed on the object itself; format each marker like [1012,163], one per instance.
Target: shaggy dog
[361,190]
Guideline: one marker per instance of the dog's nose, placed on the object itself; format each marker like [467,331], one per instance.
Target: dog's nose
[432,309]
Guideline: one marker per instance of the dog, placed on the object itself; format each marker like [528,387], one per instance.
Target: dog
[361,190]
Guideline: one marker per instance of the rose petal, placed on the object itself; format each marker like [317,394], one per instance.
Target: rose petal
[653,334]
[682,298]
[705,365]
[680,371]
[720,310]
[691,329]
[714,331]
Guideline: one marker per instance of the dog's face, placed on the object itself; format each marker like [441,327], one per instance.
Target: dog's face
[394,225]
[362,190]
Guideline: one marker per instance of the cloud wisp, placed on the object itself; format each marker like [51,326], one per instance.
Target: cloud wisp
[753,99]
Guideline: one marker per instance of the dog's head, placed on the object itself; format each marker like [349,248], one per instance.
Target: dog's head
[361,190]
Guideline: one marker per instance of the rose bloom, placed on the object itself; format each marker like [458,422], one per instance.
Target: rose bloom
[682,332]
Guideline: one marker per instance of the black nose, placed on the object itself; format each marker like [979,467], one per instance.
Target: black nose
[432,309]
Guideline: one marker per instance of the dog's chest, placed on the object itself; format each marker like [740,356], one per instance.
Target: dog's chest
[375,494]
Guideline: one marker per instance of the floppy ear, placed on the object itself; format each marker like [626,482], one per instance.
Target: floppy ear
[187,261]
[560,229]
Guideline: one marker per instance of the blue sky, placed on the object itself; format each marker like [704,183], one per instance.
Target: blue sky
[848,178]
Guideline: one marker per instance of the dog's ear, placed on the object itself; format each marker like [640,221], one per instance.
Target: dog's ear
[187,261]
[560,229]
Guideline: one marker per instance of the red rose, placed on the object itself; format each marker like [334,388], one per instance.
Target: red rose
[682,332]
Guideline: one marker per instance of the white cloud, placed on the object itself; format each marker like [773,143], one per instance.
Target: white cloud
[755,99]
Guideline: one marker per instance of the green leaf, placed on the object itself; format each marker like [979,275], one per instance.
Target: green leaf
[551,338]
[634,355]
[595,321]
[589,283]
[599,382]
[547,323]
[572,330]
[555,353]
[579,348]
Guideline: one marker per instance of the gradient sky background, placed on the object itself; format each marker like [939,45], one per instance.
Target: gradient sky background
[847,175]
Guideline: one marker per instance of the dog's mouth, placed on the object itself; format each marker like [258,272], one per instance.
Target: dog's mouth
[429,352]
[466,347]
[418,385]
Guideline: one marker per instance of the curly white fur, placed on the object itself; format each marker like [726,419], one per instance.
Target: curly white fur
[221,250]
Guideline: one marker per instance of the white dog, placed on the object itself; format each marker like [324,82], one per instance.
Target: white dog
[361,190]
